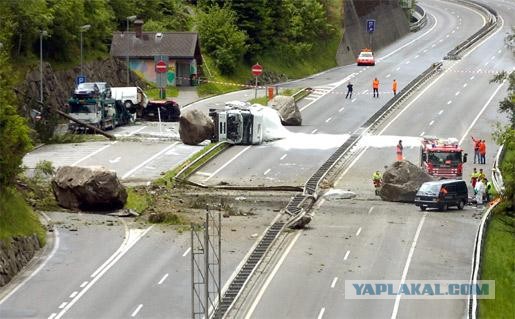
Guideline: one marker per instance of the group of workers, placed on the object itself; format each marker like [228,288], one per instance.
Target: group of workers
[479,151]
[375,88]
[483,189]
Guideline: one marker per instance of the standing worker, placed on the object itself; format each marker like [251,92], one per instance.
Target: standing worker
[394,87]
[476,150]
[349,90]
[375,87]
[482,152]
[473,178]
[399,151]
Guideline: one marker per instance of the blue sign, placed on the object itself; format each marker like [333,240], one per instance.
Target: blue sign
[80,79]
[371,25]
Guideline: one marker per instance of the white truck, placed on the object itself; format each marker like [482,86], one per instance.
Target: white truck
[238,124]
[133,97]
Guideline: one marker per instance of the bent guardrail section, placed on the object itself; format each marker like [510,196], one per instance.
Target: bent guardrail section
[473,308]
[186,171]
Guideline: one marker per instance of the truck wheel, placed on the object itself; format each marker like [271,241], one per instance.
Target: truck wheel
[461,204]
[128,105]
[423,208]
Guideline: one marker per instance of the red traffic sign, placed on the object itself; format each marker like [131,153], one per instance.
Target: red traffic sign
[161,66]
[257,69]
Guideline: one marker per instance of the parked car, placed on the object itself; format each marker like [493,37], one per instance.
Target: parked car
[169,110]
[366,57]
[442,194]
[132,97]
[92,90]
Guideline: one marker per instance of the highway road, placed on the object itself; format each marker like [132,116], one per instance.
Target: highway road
[153,269]
[366,239]
[330,117]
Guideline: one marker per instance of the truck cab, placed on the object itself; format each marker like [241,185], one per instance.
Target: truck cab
[237,125]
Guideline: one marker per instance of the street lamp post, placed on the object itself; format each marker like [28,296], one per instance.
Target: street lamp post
[83,28]
[42,34]
[129,19]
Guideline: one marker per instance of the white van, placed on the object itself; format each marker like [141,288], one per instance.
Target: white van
[132,97]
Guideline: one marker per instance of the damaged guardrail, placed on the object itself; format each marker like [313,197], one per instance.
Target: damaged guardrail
[497,180]
[421,22]
[186,171]
[491,23]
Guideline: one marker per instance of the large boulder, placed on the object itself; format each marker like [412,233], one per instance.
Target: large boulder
[401,182]
[288,110]
[91,187]
[195,127]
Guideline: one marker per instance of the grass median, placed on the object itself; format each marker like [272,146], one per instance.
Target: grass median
[499,264]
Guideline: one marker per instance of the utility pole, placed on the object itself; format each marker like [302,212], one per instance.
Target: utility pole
[129,19]
[42,33]
[83,28]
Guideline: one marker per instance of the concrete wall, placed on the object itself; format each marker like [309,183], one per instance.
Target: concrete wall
[391,24]
[14,255]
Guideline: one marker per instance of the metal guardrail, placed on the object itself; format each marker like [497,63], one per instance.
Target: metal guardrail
[421,22]
[473,308]
[183,174]
[491,23]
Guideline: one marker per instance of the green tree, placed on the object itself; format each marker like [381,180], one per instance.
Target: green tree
[220,37]
[14,132]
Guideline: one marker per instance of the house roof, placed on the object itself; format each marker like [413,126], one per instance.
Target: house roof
[172,44]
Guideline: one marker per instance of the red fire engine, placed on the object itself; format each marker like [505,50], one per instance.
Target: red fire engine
[442,158]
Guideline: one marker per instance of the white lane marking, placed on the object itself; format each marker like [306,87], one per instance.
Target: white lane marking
[94,153]
[481,112]
[186,252]
[314,131]
[486,64]
[52,316]
[447,36]
[137,310]
[83,284]
[406,266]
[163,279]
[371,209]
[283,157]
[441,40]
[479,70]
[35,272]
[116,160]
[347,78]
[74,294]
[310,98]
[499,51]
[114,255]
[472,77]
[227,163]
[453,31]
[333,284]
[388,75]
[130,242]
[425,51]
[346,255]
[353,100]
[422,133]
[398,69]
[457,93]
[271,276]
[358,232]
[431,123]
[440,113]
[465,85]
[61,306]
[433,45]
[267,171]
[341,110]
[416,56]
[449,102]
[492,57]
[321,313]
[327,121]
[136,131]
[364,92]
[150,159]
[203,173]
[412,41]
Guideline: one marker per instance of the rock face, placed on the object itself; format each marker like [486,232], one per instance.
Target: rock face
[401,182]
[16,254]
[288,110]
[94,188]
[195,127]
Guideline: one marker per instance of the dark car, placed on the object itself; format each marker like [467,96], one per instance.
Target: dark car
[169,111]
[442,194]
[92,90]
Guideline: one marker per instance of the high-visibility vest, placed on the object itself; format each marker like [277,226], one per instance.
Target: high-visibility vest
[394,85]
[375,84]
[399,149]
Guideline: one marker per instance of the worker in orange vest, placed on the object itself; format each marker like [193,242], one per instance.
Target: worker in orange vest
[477,143]
[399,151]
[394,87]
[375,86]
[482,152]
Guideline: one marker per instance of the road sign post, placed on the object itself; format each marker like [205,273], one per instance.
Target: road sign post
[80,79]
[161,68]
[257,70]
[371,27]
